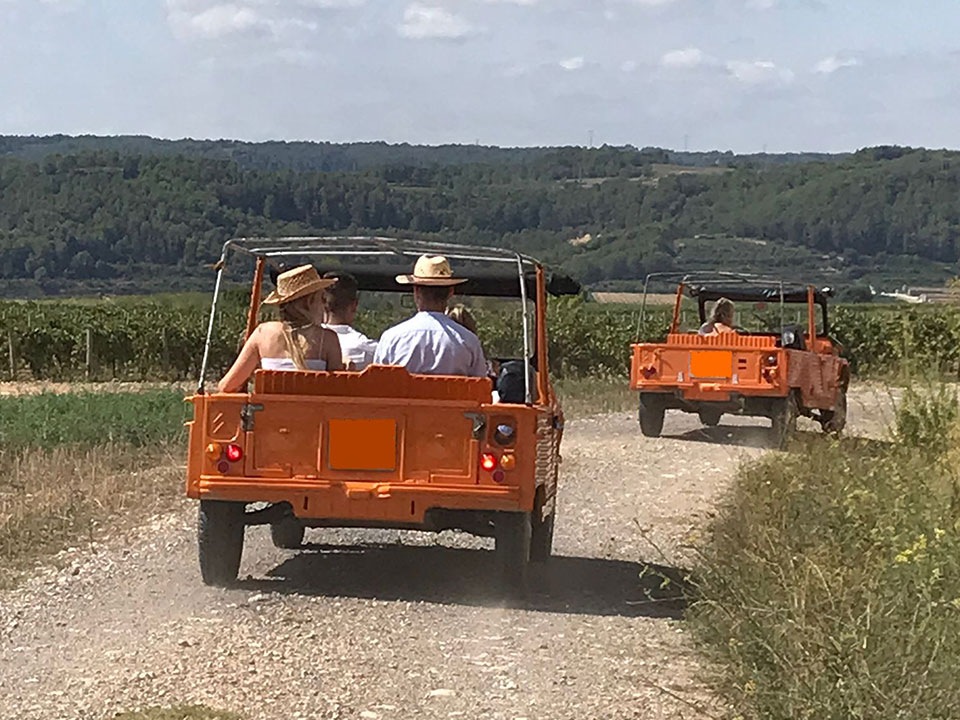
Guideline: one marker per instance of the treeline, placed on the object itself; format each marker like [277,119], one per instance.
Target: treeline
[104,214]
[351,157]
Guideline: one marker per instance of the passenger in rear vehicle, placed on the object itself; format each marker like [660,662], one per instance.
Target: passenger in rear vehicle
[341,302]
[298,341]
[430,342]
[721,321]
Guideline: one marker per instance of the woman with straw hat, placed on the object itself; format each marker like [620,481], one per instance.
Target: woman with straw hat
[297,341]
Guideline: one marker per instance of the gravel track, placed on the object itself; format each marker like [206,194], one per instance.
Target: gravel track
[382,624]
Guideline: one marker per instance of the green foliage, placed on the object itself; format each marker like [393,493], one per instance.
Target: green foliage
[49,420]
[147,339]
[144,208]
[831,585]
[925,417]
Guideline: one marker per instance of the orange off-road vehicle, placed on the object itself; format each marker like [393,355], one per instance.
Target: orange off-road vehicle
[776,370]
[383,448]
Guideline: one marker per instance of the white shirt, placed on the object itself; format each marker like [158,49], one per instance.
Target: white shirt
[432,344]
[354,345]
[289,365]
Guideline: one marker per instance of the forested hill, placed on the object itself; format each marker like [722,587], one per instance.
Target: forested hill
[351,157]
[609,216]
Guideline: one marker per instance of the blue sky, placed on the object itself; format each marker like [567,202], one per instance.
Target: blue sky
[715,74]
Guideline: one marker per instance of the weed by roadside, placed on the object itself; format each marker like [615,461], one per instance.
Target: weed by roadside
[830,585]
[72,463]
[582,397]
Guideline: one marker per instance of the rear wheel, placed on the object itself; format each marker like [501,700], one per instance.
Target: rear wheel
[541,536]
[784,421]
[287,533]
[834,421]
[710,417]
[651,413]
[220,528]
[513,535]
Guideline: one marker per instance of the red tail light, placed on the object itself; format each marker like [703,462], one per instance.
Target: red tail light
[488,461]
[234,452]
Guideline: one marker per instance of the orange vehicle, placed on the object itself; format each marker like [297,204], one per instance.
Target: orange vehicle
[779,371]
[383,448]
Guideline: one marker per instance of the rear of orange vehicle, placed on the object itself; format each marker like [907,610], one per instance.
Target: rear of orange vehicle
[774,375]
[377,449]
[382,448]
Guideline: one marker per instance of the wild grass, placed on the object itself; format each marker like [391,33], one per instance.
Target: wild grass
[583,397]
[183,712]
[49,420]
[70,464]
[831,580]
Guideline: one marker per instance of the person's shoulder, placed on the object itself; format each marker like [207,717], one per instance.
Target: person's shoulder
[398,329]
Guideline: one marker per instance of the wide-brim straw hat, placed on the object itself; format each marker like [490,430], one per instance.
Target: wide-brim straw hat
[432,270]
[297,283]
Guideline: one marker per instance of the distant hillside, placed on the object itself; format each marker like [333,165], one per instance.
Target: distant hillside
[101,218]
[352,157]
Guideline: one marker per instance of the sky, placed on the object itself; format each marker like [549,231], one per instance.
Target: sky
[741,75]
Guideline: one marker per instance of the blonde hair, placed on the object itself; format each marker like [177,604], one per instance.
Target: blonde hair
[723,308]
[295,316]
[460,314]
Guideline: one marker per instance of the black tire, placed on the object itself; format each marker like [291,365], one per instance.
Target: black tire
[834,421]
[710,417]
[512,534]
[287,534]
[220,529]
[651,414]
[784,421]
[541,535]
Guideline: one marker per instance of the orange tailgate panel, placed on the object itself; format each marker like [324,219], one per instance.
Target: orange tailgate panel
[363,444]
[711,364]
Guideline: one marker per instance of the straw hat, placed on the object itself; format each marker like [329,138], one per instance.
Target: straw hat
[297,283]
[431,270]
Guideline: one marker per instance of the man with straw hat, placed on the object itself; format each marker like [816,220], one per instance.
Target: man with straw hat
[430,342]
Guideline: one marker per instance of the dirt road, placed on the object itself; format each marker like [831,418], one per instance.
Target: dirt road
[389,625]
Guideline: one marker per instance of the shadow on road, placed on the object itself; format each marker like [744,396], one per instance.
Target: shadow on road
[755,436]
[574,585]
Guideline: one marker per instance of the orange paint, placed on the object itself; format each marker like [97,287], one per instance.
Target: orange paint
[362,444]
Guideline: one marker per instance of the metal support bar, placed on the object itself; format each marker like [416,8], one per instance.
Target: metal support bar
[526,333]
[213,314]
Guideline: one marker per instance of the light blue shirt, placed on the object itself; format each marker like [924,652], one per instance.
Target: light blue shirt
[432,344]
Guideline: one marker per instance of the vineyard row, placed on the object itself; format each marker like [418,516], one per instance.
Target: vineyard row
[150,341]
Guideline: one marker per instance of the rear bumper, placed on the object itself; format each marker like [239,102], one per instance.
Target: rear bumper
[725,402]
[713,392]
[363,502]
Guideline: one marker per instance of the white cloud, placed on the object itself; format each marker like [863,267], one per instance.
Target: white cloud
[758,72]
[573,63]
[213,19]
[685,59]
[762,4]
[428,21]
[512,2]
[628,66]
[652,3]
[833,63]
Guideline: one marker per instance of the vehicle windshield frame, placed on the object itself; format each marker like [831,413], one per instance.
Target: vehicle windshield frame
[271,250]
[706,286]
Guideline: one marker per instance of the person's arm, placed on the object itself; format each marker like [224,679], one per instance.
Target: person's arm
[243,367]
[331,350]
[479,367]
[381,355]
